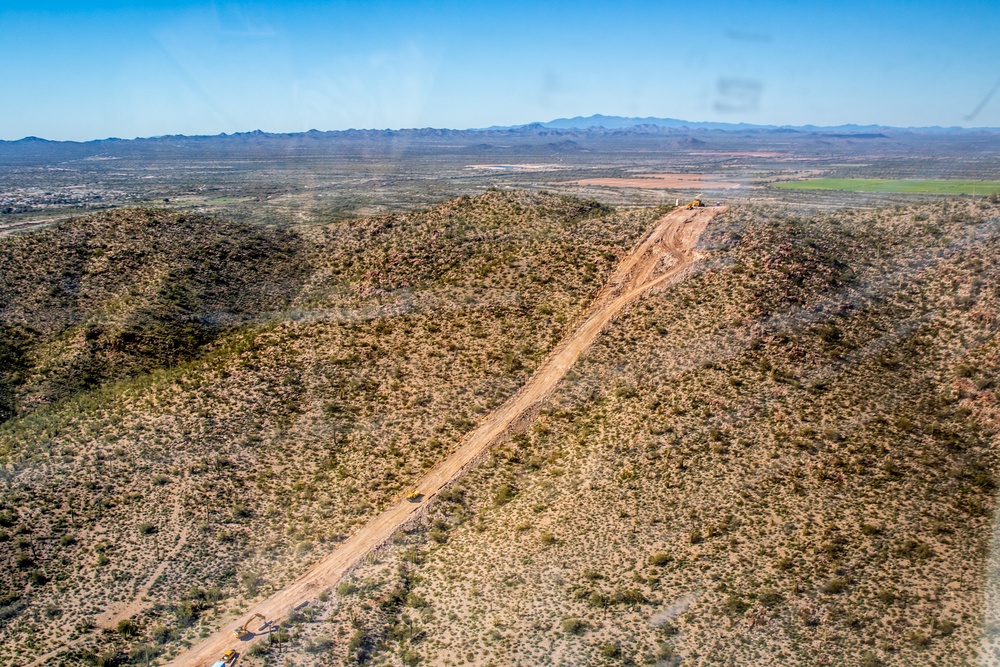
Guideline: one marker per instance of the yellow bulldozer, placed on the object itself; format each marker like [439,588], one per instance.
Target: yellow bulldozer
[695,203]
[242,631]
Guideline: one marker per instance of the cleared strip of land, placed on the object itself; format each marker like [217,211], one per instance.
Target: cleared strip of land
[929,186]
[661,256]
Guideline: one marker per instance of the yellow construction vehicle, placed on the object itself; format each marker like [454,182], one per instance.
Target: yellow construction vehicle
[226,660]
[414,496]
[242,631]
[695,203]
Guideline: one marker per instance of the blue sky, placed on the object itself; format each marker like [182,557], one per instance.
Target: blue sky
[86,70]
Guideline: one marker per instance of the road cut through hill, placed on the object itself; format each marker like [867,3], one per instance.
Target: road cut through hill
[662,255]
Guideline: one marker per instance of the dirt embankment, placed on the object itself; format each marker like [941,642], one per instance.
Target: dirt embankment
[661,256]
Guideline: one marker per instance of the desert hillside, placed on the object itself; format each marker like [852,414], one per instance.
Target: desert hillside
[789,458]
[786,456]
[357,356]
[98,299]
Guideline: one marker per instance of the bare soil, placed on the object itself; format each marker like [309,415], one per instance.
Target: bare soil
[662,256]
[664,182]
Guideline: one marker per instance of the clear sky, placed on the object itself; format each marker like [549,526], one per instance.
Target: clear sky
[86,70]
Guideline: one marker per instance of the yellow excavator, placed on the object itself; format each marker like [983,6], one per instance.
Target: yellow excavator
[695,203]
[414,496]
[242,631]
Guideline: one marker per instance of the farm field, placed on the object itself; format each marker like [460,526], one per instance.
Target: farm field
[929,186]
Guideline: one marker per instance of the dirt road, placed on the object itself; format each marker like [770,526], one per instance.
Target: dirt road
[661,256]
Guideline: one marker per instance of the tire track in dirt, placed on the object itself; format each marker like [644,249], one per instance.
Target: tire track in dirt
[672,240]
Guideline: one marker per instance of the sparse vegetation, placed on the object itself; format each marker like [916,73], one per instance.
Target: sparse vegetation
[805,457]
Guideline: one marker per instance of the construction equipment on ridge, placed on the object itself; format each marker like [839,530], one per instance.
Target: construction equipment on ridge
[242,631]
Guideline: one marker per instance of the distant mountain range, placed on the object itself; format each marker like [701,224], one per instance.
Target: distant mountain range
[623,122]
[597,124]
[561,135]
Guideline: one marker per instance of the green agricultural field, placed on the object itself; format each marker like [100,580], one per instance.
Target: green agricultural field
[940,187]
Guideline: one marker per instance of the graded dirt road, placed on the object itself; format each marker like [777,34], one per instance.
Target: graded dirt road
[662,255]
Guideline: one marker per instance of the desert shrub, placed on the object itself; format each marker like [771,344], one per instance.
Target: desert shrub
[416,601]
[411,658]
[109,658]
[258,650]
[186,613]
[659,559]
[504,494]
[628,596]
[126,628]
[945,627]
[573,626]
[251,581]
[735,604]
[10,605]
[599,600]
[870,529]
[610,650]
[769,597]
[869,659]
[453,494]
[146,528]
[358,646]
[835,586]
[547,538]
[321,645]
[161,634]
